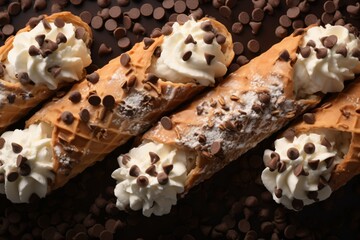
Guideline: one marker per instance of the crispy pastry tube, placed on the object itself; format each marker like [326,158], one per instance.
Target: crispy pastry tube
[252,103]
[49,53]
[318,154]
[117,102]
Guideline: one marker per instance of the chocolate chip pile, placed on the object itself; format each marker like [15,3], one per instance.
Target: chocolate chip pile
[233,204]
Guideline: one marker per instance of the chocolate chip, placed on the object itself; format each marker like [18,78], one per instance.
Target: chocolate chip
[151,171]
[84,115]
[327,18]
[330,41]
[97,22]
[305,51]
[209,37]
[166,30]
[159,13]
[16,148]
[189,39]
[115,12]
[297,204]
[216,147]
[48,47]
[313,164]
[142,181]
[46,24]
[60,38]
[75,97]
[40,5]
[80,33]
[67,117]
[309,148]
[104,50]
[93,77]
[278,192]
[24,169]
[341,49]
[273,163]
[2,142]
[310,19]
[208,58]
[293,153]
[59,22]
[300,171]
[179,6]
[225,11]
[293,12]
[309,118]
[24,78]
[125,59]
[237,27]
[356,54]
[76,2]
[281,32]
[257,14]
[167,168]
[166,123]
[255,27]
[134,171]
[12,176]
[329,162]
[108,102]
[119,32]
[312,195]
[311,43]
[2,178]
[148,42]
[220,39]
[34,51]
[162,178]
[94,100]
[284,56]
[264,97]
[20,160]
[192,4]
[329,7]
[151,78]
[40,39]
[186,55]
[244,18]
[253,45]
[54,71]
[244,226]
[281,167]
[325,142]
[285,21]
[154,158]
[11,98]
[298,29]
[14,8]
[206,26]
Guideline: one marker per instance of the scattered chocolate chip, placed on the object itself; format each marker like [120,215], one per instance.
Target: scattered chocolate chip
[293,153]
[220,39]
[159,13]
[119,32]
[311,43]
[284,56]
[97,22]
[34,51]
[93,77]
[313,164]
[305,51]
[341,49]
[75,97]
[300,171]
[110,25]
[60,38]
[208,58]
[134,171]
[327,18]
[108,102]
[24,78]
[115,12]
[309,118]
[166,123]
[84,115]
[14,8]
[12,176]
[285,21]
[293,12]
[59,22]
[330,41]
[48,47]
[151,171]
[244,18]
[94,100]
[80,33]
[309,148]
[297,204]
[329,7]
[281,32]
[257,14]
[139,29]
[148,42]
[215,147]
[253,45]
[255,27]
[67,117]
[244,226]
[206,26]
[237,27]
[167,168]
[166,30]
[16,148]
[40,5]
[186,55]
[209,37]
[312,195]
[162,178]
[225,11]
[310,19]
[142,181]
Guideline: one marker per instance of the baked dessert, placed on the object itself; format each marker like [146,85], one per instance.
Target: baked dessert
[48,54]
[314,158]
[253,102]
[115,103]
[233,204]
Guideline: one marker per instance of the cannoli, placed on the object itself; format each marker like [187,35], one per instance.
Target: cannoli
[249,105]
[318,154]
[115,103]
[49,53]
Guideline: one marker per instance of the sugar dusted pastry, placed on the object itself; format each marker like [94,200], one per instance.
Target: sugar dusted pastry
[49,53]
[249,105]
[316,155]
[115,103]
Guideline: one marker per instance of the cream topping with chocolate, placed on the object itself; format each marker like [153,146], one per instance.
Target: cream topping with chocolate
[298,170]
[26,162]
[49,54]
[191,54]
[149,178]
[325,60]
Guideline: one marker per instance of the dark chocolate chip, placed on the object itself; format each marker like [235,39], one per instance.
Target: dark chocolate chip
[225,11]
[278,192]
[312,195]
[14,8]
[281,167]
[305,51]
[97,22]
[142,181]
[264,97]
[206,26]
[55,71]
[12,176]
[24,78]
[209,37]
[310,19]
[255,27]
[179,6]
[93,77]
[285,21]
[109,101]
[16,148]
[166,30]
[329,7]
[189,39]
[284,56]
[46,24]
[80,33]
[166,123]
[2,142]
[48,47]
[293,12]
[325,142]
[257,14]
[327,18]
[253,45]
[151,78]
[115,12]
[187,55]
[297,204]
[293,153]
[110,25]
[311,43]
[154,158]
[24,169]
[313,164]
[40,5]
[238,48]
[281,32]
[40,39]
[11,98]
[125,59]
[309,148]
[148,42]
[104,50]
[119,32]
[356,53]
[159,13]
[59,22]
[237,27]
[20,160]
[134,171]
[329,162]
[162,178]
[75,97]
[151,171]
[34,51]
[67,117]
[244,18]
[309,118]
[60,38]
[84,115]
[215,147]
[94,100]
[330,41]
[208,58]
[300,171]
[167,168]
[341,49]
[139,29]
[220,39]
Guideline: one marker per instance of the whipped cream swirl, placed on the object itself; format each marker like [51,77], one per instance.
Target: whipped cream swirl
[149,178]
[186,57]
[297,171]
[26,162]
[65,64]
[327,57]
